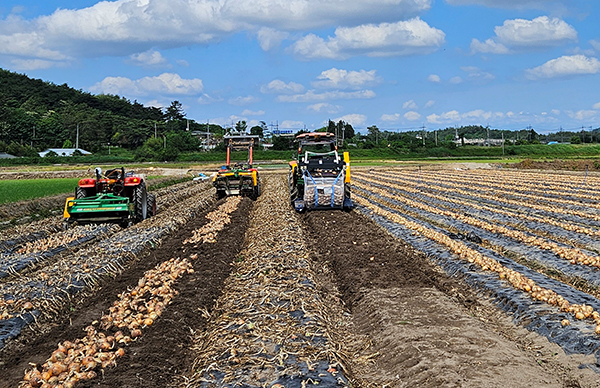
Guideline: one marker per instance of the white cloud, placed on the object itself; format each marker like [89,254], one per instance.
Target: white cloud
[226,122]
[474,74]
[541,31]
[451,116]
[166,83]
[157,104]
[280,87]
[596,106]
[410,37]
[325,107]
[243,100]
[291,124]
[582,115]
[123,27]
[205,99]
[353,119]
[183,63]
[411,104]
[28,45]
[391,118]
[344,79]
[519,33]
[511,4]
[434,78]
[595,43]
[456,80]
[248,112]
[488,47]
[33,64]
[269,38]
[565,66]
[149,58]
[429,104]
[412,116]
[555,112]
[311,95]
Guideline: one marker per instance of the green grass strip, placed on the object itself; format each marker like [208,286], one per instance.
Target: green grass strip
[14,190]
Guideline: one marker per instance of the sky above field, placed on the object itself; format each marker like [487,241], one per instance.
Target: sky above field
[397,64]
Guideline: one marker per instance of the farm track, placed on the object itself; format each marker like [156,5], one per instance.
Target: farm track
[275,324]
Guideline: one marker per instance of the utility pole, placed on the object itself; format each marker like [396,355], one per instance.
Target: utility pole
[561,134]
[155,133]
[435,132]
[488,135]
[423,135]
[77,138]
[502,143]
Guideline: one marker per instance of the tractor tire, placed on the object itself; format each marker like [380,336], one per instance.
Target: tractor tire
[81,192]
[221,194]
[151,200]
[140,202]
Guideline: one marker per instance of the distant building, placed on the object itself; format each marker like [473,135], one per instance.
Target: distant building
[479,142]
[4,155]
[64,151]
[207,140]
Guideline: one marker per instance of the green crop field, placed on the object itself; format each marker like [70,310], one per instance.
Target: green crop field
[18,190]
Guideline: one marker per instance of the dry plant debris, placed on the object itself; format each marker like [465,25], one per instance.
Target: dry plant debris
[271,327]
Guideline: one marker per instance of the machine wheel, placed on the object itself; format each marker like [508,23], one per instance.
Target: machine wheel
[140,202]
[151,205]
[80,192]
[221,194]
[347,193]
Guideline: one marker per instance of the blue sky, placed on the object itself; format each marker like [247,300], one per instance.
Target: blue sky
[397,64]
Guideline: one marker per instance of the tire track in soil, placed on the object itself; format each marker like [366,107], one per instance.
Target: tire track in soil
[163,351]
[429,329]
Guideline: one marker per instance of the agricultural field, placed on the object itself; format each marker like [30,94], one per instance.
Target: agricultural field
[438,277]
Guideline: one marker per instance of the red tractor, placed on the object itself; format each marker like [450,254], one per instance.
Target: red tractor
[115,197]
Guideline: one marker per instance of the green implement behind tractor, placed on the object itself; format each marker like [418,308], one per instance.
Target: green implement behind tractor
[116,197]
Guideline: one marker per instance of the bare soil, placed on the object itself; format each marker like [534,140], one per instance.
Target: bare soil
[426,329]
[559,165]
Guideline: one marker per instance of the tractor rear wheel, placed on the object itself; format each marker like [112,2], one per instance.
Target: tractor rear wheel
[81,192]
[151,205]
[140,202]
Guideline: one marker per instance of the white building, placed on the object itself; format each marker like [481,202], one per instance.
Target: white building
[64,151]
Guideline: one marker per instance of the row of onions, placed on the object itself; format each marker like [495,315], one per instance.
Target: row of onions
[219,219]
[577,228]
[130,315]
[474,204]
[511,189]
[573,255]
[516,279]
[454,189]
[561,184]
